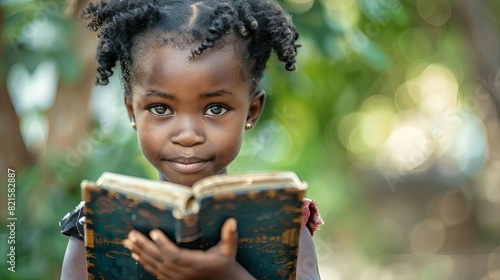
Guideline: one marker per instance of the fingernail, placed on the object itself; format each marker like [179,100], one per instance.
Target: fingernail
[132,236]
[135,257]
[234,225]
[154,235]
[126,243]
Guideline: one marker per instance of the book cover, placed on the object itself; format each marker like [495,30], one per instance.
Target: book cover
[267,206]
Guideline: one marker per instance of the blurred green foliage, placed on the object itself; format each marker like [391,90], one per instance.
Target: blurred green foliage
[351,50]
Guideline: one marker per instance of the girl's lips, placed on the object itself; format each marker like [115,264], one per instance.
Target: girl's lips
[188,167]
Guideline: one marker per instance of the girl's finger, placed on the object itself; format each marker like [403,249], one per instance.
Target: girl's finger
[142,246]
[178,262]
[175,258]
[228,243]
[175,261]
[167,247]
[148,254]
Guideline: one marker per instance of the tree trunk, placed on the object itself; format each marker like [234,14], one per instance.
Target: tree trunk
[484,40]
[13,152]
[69,116]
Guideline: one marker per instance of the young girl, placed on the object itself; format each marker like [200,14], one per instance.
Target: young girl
[191,72]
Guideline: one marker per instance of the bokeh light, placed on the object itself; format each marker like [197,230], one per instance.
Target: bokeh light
[435,12]
[299,6]
[494,264]
[428,237]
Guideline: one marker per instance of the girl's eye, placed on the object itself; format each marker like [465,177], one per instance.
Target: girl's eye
[160,110]
[216,110]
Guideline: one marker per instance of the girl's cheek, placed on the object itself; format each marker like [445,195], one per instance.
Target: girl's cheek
[144,145]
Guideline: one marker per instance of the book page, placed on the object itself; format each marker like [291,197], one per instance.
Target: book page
[246,181]
[160,192]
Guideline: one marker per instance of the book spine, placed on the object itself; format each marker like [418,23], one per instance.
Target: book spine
[187,231]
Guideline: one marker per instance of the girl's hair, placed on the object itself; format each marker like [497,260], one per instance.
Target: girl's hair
[261,25]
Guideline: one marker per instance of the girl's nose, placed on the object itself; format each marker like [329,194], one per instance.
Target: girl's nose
[188,133]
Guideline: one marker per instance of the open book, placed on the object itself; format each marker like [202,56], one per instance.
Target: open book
[267,206]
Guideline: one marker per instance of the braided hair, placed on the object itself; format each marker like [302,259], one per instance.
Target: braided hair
[260,25]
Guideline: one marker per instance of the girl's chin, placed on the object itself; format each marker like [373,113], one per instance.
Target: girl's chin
[185,180]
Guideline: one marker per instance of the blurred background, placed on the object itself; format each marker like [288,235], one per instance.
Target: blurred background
[392,118]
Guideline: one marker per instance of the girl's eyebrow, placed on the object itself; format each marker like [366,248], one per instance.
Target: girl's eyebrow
[155,93]
[208,95]
[216,94]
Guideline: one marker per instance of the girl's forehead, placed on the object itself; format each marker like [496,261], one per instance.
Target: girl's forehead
[172,58]
[159,52]
[169,68]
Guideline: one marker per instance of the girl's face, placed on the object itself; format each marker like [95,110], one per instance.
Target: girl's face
[190,114]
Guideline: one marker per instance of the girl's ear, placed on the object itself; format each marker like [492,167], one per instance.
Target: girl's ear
[130,110]
[255,110]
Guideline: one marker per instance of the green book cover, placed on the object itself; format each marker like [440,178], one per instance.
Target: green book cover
[267,206]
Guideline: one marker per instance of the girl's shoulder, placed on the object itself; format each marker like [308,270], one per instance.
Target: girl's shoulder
[72,223]
[311,216]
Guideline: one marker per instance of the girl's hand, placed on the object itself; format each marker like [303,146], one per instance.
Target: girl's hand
[165,260]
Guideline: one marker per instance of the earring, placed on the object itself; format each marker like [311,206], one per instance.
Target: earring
[248,126]
[133,125]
